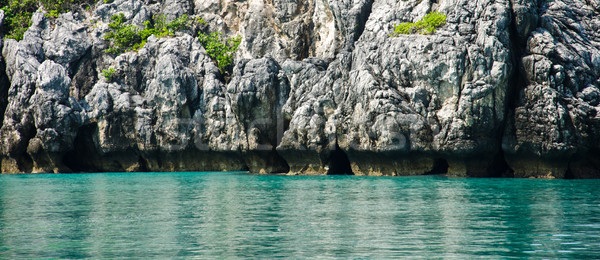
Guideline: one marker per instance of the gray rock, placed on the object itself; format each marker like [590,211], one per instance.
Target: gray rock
[1,17]
[68,42]
[288,29]
[135,11]
[173,9]
[22,62]
[317,87]
[554,129]
[429,96]
[257,95]
[56,119]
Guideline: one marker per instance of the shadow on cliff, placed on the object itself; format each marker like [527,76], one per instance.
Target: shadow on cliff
[339,164]
[440,166]
[80,159]
[86,158]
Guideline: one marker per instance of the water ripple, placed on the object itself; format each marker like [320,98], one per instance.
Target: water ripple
[230,215]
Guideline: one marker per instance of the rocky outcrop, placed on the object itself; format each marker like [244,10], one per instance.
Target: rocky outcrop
[4,83]
[430,96]
[553,130]
[505,88]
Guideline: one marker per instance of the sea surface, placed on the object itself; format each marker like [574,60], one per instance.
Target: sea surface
[235,215]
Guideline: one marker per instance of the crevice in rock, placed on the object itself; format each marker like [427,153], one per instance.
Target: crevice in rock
[282,92]
[516,84]
[440,166]
[363,17]
[159,160]
[85,156]
[4,86]
[339,164]
[518,80]
[192,9]
[304,47]
[285,167]
[245,167]
[226,76]
[84,75]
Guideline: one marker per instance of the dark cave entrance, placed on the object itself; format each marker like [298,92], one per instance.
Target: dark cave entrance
[500,168]
[440,166]
[339,164]
[81,158]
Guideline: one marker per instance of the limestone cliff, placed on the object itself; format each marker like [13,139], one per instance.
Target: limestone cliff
[505,88]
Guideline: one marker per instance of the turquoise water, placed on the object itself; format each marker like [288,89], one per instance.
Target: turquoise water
[229,215]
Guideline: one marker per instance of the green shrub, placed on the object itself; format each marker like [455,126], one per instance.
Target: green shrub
[427,25]
[163,28]
[221,50]
[108,74]
[123,38]
[17,17]
[17,13]
[56,7]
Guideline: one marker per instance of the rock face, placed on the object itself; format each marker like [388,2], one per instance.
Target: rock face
[553,130]
[505,88]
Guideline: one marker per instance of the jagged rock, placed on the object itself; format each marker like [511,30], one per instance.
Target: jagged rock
[56,117]
[419,96]
[134,11]
[257,95]
[22,62]
[163,112]
[288,29]
[317,87]
[173,9]
[68,42]
[554,129]
[311,135]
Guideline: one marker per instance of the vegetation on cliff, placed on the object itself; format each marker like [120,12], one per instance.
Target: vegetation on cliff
[427,25]
[17,13]
[221,50]
[123,38]
[108,74]
[126,37]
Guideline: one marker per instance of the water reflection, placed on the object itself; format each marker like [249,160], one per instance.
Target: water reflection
[217,215]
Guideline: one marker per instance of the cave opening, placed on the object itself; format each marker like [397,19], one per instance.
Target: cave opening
[499,168]
[569,174]
[81,158]
[339,164]
[25,162]
[280,164]
[440,166]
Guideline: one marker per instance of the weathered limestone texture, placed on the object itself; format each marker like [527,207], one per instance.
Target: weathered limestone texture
[505,88]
